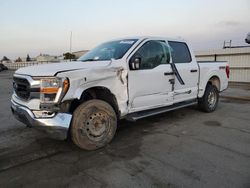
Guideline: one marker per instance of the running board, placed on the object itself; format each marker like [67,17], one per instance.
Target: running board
[146,113]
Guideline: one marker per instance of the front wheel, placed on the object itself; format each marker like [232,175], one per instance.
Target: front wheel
[94,124]
[209,101]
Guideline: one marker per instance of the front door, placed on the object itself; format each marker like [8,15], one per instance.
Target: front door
[150,86]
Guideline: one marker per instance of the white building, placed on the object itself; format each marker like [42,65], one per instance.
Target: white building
[237,57]
[80,53]
[46,58]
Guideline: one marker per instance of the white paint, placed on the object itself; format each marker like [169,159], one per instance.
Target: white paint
[209,70]
[135,90]
[53,68]
[150,88]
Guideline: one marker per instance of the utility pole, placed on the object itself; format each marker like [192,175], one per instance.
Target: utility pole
[70,45]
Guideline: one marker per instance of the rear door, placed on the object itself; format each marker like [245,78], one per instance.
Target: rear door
[149,86]
[188,70]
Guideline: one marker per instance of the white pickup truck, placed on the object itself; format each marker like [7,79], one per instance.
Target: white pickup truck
[129,78]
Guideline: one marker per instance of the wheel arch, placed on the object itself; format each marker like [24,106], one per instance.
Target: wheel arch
[215,81]
[96,92]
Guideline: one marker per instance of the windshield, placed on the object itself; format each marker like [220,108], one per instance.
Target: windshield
[108,50]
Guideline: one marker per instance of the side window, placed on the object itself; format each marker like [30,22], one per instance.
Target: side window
[180,52]
[152,54]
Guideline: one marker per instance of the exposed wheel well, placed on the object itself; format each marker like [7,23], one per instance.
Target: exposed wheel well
[101,93]
[215,81]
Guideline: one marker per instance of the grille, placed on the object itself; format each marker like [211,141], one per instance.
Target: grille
[21,87]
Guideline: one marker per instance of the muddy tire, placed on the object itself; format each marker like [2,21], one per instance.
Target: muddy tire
[210,99]
[94,124]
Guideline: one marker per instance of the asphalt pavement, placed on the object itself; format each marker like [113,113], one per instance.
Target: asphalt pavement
[182,148]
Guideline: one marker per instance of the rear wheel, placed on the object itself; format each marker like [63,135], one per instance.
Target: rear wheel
[209,101]
[94,124]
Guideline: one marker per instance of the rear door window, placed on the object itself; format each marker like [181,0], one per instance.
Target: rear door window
[180,52]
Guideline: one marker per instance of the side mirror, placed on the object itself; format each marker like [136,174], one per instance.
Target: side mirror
[135,63]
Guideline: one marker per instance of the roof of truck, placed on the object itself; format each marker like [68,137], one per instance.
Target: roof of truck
[179,39]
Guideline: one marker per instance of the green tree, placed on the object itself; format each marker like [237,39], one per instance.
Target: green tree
[5,59]
[28,58]
[69,56]
[18,59]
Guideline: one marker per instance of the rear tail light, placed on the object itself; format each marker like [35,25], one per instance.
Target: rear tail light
[227,71]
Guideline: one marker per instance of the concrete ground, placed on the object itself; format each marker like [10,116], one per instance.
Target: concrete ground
[237,91]
[183,148]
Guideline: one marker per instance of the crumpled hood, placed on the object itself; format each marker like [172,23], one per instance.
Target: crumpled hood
[53,68]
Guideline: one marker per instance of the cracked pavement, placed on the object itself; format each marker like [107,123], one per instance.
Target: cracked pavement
[183,148]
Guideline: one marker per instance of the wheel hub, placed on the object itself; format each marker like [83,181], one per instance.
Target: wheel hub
[212,99]
[97,126]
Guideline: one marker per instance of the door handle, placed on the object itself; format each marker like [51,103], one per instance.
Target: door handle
[168,73]
[193,70]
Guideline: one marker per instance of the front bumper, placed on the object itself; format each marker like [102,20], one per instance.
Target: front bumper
[56,126]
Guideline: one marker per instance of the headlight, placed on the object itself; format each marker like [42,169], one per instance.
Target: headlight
[52,90]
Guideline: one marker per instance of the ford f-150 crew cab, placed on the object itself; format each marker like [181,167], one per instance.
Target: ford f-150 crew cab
[129,78]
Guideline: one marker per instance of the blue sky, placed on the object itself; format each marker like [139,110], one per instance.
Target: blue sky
[32,26]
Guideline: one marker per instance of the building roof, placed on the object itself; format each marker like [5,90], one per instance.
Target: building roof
[237,50]
[80,51]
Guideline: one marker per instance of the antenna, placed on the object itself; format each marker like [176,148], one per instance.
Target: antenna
[70,45]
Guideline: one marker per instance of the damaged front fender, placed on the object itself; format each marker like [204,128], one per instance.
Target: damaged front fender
[114,78]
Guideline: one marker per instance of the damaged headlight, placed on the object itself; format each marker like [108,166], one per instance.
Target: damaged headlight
[52,90]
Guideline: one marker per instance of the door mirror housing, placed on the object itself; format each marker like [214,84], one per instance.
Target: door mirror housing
[135,63]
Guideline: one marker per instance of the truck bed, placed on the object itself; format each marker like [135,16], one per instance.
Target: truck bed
[210,68]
